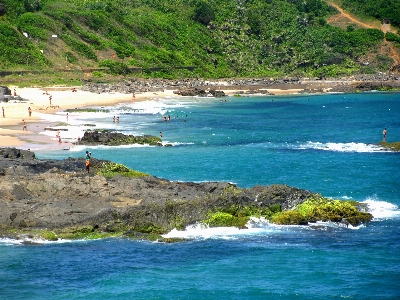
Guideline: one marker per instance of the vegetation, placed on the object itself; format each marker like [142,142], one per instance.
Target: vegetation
[390,146]
[323,209]
[379,9]
[312,210]
[218,38]
[110,169]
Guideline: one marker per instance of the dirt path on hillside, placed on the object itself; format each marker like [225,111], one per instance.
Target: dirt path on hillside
[348,16]
[392,51]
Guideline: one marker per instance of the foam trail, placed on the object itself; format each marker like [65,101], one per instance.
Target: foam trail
[343,147]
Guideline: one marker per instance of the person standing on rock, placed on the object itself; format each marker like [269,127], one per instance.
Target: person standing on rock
[87,163]
[384,134]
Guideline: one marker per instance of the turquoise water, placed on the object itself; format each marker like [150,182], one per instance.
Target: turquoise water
[324,143]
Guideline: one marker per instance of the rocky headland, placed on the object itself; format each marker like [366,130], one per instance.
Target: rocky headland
[57,199]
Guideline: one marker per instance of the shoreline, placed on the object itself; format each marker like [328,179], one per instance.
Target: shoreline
[54,100]
[11,127]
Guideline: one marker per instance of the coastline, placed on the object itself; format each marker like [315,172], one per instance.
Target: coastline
[63,98]
[11,127]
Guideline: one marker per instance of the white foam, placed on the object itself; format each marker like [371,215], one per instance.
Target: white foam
[33,241]
[382,210]
[343,147]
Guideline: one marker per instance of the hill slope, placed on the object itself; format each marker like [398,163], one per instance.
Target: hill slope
[213,38]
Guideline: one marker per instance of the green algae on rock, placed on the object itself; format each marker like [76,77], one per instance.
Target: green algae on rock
[323,209]
[112,138]
[395,146]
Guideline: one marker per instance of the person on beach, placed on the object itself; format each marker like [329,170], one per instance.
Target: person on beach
[133,95]
[117,120]
[384,134]
[67,117]
[29,111]
[15,92]
[2,109]
[87,163]
[24,127]
[114,119]
[50,97]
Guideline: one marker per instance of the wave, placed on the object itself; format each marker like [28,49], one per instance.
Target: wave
[255,226]
[27,241]
[342,147]
[382,210]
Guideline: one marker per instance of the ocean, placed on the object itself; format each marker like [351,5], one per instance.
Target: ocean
[323,143]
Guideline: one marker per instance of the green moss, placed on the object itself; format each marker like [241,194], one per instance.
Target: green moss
[395,146]
[110,169]
[222,219]
[85,232]
[48,235]
[289,217]
[323,209]
[150,228]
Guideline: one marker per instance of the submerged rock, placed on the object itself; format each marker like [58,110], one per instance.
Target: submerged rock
[395,146]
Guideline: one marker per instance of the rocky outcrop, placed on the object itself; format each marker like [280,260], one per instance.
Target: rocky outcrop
[6,96]
[59,194]
[394,146]
[204,88]
[111,138]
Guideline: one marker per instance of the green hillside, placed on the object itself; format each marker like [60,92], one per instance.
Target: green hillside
[214,38]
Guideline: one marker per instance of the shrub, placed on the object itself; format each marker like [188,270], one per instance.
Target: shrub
[392,37]
[116,67]
[110,169]
[79,47]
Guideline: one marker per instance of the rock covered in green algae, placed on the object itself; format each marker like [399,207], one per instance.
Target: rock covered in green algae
[112,138]
[395,146]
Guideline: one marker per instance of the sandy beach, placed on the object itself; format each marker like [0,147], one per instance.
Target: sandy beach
[53,100]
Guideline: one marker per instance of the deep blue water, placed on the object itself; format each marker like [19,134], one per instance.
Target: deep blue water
[324,143]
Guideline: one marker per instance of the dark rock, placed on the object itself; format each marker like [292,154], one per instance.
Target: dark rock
[111,138]
[57,194]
